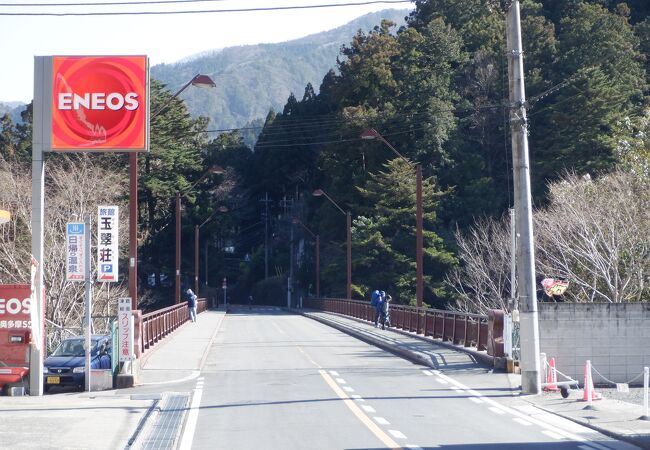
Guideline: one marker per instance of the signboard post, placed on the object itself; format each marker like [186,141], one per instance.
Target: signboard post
[107,240]
[125,330]
[81,103]
[225,288]
[75,247]
[89,301]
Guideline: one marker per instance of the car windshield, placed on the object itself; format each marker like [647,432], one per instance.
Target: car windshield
[74,347]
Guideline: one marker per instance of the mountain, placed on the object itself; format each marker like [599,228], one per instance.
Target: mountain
[14,109]
[252,79]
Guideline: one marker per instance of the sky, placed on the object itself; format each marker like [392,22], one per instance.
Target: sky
[164,38]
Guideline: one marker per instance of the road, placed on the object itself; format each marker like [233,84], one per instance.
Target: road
[273,380]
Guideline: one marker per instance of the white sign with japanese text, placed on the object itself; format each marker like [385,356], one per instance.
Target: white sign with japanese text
[75,247]
[107,240]
[125,332]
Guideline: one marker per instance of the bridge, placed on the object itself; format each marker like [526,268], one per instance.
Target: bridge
[320,378]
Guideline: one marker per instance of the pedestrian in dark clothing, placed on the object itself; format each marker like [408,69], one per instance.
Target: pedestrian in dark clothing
[191,304]
[379,306]
[385,312]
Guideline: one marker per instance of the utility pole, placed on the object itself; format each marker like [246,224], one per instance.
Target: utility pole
[530,366]
[266,234]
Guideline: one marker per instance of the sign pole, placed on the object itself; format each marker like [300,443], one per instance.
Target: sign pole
[89,299]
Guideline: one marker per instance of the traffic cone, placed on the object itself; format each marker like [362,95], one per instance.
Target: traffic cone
[589,385]
[551,377]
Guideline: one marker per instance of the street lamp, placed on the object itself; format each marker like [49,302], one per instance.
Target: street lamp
[202,81]
[372,134]
[221,209]
[317,237]
[177,289]
[318,193]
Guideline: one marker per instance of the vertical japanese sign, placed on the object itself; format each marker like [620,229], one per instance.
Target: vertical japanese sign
[74,243]
[107,240]
[125,337]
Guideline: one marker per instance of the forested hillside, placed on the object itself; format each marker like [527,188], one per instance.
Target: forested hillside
[253,79]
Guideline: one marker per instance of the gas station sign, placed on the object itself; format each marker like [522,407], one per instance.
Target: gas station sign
[100,103]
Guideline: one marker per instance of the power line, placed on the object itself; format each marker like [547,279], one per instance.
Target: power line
[205,11]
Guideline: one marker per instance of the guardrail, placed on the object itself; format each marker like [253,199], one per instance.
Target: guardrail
[158,324]
[470,330]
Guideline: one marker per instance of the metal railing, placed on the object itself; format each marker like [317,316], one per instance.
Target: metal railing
[158,324]
[470,330]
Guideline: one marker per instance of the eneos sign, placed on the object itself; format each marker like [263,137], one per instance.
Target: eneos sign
[100,103]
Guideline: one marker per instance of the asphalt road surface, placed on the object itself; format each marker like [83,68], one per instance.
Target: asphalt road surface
[279,381]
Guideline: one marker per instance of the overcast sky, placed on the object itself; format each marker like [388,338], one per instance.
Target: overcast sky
[164,38]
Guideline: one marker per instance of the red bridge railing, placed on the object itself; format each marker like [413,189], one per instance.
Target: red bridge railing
[158,324]
[470,330]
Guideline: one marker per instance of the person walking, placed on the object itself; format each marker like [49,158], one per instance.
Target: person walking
[191,304]
[374,299]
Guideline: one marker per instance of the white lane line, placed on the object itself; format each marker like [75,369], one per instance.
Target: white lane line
[368,409]
[514,412]
[427,373]
[340,381]
[381,421]
[552,434]
[348,389]
[475,399]
[441,381]
[456,389]
[193,375]
[192,418]
[357,397]
[521,421]
[334,373]
[496,410]
[397,434]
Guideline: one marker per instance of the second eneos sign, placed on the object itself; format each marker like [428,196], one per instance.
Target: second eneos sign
[100,103]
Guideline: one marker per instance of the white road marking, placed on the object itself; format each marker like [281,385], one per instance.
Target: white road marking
[381,421]
[348,389]
[368,409]
[476,399]
[441,381]
[193,375]
[340,381]
[357,397]
[192,418]
[521,421]
[414,447]
[334,373]
[397,434]
[496,410]
[552,434]
[427,373]
[457,389]
[516,413]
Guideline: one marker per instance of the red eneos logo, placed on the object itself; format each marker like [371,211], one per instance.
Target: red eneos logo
[99,102]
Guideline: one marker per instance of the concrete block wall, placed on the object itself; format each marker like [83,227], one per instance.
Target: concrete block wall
[614,336]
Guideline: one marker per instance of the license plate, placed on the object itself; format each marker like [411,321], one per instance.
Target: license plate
[53,380]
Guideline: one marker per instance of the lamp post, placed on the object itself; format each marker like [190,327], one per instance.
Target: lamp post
[372,134]
[177,283]
[317,238]
[196,250]
[318,193]
[202,81]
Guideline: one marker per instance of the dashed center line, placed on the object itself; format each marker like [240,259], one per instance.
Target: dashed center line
[340,381]
[348,389]
[496,410]
[381,421]
[427,373]
[441,381]
[357,397]
[368,409]
[334,373]
[476,399]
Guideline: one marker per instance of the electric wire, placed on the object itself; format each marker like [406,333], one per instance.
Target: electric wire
[204,11]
